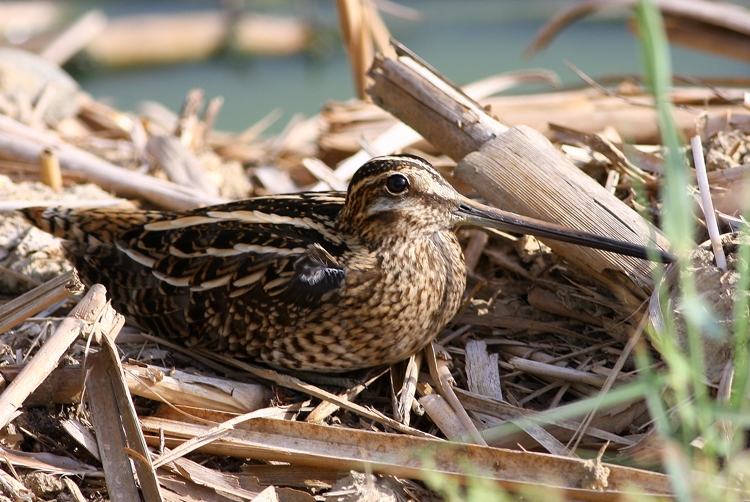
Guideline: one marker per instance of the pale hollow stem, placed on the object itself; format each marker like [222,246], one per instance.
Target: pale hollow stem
[707,203]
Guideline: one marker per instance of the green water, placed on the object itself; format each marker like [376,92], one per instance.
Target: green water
[465,40]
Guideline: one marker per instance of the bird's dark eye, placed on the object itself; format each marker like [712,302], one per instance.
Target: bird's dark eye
[397,183]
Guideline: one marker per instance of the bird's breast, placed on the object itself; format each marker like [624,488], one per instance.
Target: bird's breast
[406,293]
[393,300]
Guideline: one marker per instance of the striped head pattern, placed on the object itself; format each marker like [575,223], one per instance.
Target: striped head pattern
[398,194]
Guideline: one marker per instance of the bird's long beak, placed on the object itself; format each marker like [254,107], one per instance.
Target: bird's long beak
[475,214]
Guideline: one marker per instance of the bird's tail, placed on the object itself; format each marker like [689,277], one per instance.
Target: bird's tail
[91,226]
[55,221]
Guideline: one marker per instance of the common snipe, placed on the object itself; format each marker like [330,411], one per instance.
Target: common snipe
[327,281]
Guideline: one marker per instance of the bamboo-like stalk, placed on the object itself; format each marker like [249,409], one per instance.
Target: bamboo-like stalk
[51,174]
[46,359]
[301,443]
[38,299]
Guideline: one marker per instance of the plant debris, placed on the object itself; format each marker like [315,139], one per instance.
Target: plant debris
[540,328]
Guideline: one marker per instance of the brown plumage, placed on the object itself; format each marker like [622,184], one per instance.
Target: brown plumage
[315,281]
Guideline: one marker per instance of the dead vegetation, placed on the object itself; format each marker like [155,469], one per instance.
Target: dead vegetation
[90,406]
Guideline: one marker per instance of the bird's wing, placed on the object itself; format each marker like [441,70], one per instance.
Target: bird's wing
[231,269]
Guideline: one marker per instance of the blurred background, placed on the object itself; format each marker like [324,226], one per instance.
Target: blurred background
[297,62]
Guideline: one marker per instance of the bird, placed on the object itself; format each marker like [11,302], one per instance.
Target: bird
[319,281]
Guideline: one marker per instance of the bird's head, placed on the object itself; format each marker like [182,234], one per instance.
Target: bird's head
[399,195]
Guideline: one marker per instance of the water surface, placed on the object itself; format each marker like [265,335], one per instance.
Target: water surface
[466,40]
